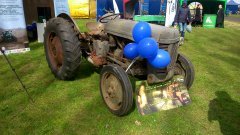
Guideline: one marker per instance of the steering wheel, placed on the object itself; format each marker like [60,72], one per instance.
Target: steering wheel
[109,17]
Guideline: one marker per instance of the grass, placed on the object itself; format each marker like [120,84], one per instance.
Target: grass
[76,107]
[82,24]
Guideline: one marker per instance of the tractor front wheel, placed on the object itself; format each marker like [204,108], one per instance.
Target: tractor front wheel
[116,90]
[185,68]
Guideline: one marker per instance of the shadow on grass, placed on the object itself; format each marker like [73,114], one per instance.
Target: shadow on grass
[94,118]
[85,70]
[226,111]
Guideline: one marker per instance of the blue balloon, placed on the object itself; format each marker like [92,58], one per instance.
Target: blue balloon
[130,51]
[161,60]
[140,31]
[147,48]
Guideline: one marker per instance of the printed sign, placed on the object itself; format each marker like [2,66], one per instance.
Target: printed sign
[162,96]
[209,20]
[170,12]
[61,6]
[79,8]
[13,33]
[22,50]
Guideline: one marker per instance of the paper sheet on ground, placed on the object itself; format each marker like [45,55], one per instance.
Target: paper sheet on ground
[162,96]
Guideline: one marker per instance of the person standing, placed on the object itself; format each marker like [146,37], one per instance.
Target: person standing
[198,16]
[220,17]
[182,17]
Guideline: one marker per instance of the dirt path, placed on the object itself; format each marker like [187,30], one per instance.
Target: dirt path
[233,18]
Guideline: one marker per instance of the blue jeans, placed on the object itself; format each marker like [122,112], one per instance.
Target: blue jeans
[182,28]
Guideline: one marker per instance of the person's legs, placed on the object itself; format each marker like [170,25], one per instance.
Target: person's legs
[198,23]
[180,27]
[181,30]
[185,26]
[220,25]
[184,29]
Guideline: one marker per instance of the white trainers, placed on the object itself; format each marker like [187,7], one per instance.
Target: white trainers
[181,40]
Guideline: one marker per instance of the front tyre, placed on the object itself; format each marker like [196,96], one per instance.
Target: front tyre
[185,68]
[62,48]
[116,89]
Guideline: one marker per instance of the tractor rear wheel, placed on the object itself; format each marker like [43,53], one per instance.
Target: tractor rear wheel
[116,90]
[185,68]
[62,48]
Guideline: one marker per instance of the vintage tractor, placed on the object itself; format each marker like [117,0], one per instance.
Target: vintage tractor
[103,46]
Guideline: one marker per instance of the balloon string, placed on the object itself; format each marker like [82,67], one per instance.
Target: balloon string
[130,65]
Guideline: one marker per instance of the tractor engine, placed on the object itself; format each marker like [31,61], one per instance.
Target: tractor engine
[104,48]
[108,41]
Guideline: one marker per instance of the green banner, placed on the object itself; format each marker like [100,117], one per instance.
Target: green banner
[209,21]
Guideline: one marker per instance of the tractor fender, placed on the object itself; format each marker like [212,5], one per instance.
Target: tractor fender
[70,19]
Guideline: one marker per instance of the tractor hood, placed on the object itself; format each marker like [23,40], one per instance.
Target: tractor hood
[123,28]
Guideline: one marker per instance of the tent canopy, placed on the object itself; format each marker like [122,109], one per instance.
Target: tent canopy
[232,2]
[232,6]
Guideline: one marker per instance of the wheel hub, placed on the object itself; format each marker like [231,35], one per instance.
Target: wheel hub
[112,91]
[55,51]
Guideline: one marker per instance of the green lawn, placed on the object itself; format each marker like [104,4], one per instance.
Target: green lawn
[82,23]
[76,107]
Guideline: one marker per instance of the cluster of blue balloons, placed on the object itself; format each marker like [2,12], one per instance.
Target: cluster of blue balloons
[146,47]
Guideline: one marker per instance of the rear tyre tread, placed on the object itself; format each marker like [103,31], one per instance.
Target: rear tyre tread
[70,46]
